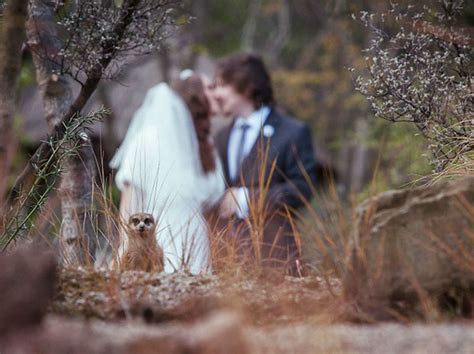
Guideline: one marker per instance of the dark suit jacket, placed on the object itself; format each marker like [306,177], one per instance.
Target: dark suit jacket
[277,172]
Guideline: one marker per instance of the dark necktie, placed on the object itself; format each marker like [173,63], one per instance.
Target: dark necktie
[240,153]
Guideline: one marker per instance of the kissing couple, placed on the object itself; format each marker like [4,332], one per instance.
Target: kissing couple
[260,166]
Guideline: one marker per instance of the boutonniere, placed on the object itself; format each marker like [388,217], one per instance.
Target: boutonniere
[268,131]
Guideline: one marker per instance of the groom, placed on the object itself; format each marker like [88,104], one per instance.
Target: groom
[268,163]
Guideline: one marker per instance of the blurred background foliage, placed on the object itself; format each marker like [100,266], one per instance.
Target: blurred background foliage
[314,50]
[310,47]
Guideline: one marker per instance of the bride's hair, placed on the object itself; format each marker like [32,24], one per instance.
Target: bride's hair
[191,90]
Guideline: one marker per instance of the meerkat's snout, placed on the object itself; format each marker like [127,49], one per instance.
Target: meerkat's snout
[142,222]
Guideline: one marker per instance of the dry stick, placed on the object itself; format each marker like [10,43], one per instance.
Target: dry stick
[44,151]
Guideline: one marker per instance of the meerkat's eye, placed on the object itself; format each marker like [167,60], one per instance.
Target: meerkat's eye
[147,221]
[136,221]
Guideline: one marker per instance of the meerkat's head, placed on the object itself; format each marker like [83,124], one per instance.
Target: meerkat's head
[142,224]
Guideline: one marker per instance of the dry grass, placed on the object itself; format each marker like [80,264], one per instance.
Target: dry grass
[326,226]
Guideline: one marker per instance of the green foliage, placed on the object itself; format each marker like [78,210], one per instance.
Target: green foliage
[20,158]
[325,96]
[297,92]
[46,174]
[420,71]
[402,157]
[313,81]
[222,34]
[27,75]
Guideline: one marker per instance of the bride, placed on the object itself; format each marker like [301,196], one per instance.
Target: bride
[168,167]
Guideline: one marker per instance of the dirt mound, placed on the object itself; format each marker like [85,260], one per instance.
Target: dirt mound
[162,297]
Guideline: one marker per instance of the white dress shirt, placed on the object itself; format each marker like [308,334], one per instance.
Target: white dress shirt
[255,121]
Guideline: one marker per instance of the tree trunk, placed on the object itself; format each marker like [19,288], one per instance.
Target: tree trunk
[77,240]
[110,140]
[164,63]
[278,40]
[11,39]
[250,26]
[45,45]
[44,151]
[360,157]
[76,232]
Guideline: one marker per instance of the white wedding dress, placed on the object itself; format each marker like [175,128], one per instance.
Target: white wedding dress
[159,158]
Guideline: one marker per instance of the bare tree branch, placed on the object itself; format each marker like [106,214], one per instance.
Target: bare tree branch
[422,72]
[89,86]
[278,40]
[85,44]
[250,27]
[77,180]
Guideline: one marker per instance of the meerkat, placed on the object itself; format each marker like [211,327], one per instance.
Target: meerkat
[142,251]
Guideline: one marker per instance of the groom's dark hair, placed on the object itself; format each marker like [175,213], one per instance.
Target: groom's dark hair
[248,75]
